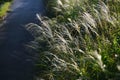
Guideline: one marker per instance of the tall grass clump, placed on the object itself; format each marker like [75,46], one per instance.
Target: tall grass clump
[55,7]
[80,43]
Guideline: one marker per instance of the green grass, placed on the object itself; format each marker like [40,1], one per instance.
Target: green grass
[4,8]
[81,41]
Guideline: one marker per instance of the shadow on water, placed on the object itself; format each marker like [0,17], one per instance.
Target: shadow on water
[15,61]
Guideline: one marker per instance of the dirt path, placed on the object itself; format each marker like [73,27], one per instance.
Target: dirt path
[15,62]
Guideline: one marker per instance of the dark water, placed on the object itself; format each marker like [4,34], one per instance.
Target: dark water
[15,62]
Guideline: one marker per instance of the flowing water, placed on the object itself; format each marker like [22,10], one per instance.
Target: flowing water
[15,61]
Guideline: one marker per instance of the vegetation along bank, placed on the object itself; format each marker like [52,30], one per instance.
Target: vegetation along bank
[4,7]
[80,41]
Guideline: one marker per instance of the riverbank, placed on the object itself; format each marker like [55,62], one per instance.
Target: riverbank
[4,8]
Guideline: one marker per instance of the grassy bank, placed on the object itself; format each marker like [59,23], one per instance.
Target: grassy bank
[4,8]
[81,41]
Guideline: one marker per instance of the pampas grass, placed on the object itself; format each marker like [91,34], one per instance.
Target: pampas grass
[82,47]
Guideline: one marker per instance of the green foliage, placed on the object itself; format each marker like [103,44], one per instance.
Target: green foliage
[4,7]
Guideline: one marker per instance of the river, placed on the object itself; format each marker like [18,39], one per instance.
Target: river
[15,61]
